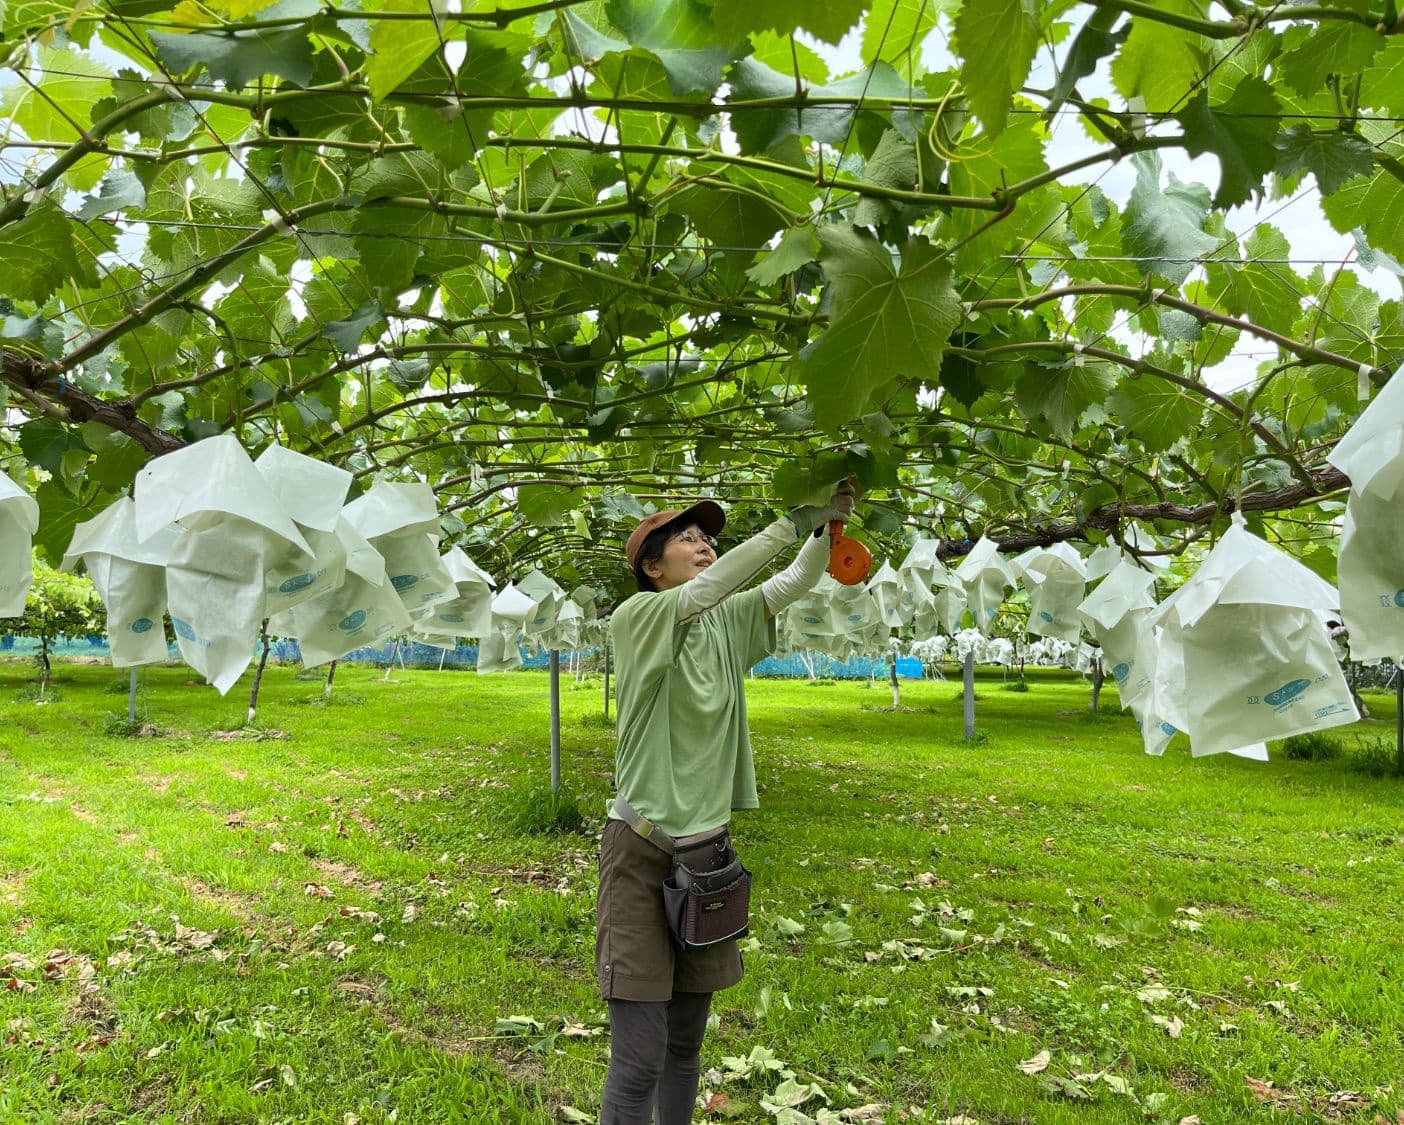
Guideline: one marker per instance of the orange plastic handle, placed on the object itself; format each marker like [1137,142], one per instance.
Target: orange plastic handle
[849,561]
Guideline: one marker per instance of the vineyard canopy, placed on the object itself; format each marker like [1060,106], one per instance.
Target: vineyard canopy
[562,259]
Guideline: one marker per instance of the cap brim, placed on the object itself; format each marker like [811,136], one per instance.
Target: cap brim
[706,514]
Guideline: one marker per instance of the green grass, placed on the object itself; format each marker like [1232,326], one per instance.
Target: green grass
[330,914]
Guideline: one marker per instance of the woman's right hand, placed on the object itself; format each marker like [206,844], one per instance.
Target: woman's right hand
[810,517]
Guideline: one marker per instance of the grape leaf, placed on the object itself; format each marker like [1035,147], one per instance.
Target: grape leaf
[1160,63]
[892,165]
[830,21]
[1331,156]
[681,34]
[1094,42]
[885,323]
[37,255]
[798,246]
[1157,412]
[1162,228]
[1240,133]
[236,58]
[1060,394]
[546,505]
[996,40]
[399,47]
[1333,47]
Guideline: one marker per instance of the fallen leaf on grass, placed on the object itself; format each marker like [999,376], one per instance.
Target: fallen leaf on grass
[570,1113]
[1265,1092]
[1173,1026]
[1190,1120]
[313,890]
[1036,1064]
[873,1111]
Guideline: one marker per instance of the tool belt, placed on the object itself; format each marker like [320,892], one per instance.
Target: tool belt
[707,894]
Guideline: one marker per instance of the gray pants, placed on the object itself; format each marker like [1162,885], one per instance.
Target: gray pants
[655,1059]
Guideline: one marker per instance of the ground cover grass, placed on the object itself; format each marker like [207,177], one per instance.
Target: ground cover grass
[337,917]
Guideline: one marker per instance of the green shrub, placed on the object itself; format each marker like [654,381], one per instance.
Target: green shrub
[538,810]
[1375,757]
[1315,746]
[1016,685]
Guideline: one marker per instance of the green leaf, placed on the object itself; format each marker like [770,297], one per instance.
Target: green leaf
[895,29]
[760,130]
[961,378]
[546,505]
[996,41]
[1160,63]
[37,255]
[120,189]
[44,442]
[681,34]
[1332,47]
[830,21]
[884,323]
[69,84]
[237,58]
[809,480]
[399,47]
[728,216]
[388,241]
[59,514]
[1094,42]
[1240,133]
[1375,205]
[797,247]
[1162,227]
[1331,156]
[346,334]
[1264,288]
[567,178]
[1157,412]
[1059,394]
[892,165]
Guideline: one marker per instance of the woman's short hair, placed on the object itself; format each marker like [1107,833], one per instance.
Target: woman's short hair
[652,551]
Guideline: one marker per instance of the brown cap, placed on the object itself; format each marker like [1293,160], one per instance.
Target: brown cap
[706,514]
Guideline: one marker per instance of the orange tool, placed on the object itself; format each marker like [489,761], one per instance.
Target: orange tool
[849,560]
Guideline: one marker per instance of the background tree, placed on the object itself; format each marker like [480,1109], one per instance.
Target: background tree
[58,605]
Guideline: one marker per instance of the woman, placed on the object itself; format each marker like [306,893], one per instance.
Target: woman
[682,647]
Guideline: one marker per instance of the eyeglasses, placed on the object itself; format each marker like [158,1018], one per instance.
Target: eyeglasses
[696,538]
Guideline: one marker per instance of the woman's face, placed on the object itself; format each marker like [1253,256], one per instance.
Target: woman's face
[686,555]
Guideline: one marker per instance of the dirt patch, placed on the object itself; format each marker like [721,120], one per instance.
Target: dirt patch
[91,1007]
[152,1096]
[157,785]
[11,888]
[1187,1081]
[347,875]
[242,906]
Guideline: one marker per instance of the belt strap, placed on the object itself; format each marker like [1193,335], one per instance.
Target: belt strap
[644,827]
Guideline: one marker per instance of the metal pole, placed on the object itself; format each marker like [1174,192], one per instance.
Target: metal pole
[555,720]
[1399,720]
[606,648]
[131,698]
[970,694]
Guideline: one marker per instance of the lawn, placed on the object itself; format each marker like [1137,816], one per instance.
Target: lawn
[352,913]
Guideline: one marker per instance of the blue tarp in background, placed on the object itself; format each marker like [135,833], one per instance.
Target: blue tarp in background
[466,656]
